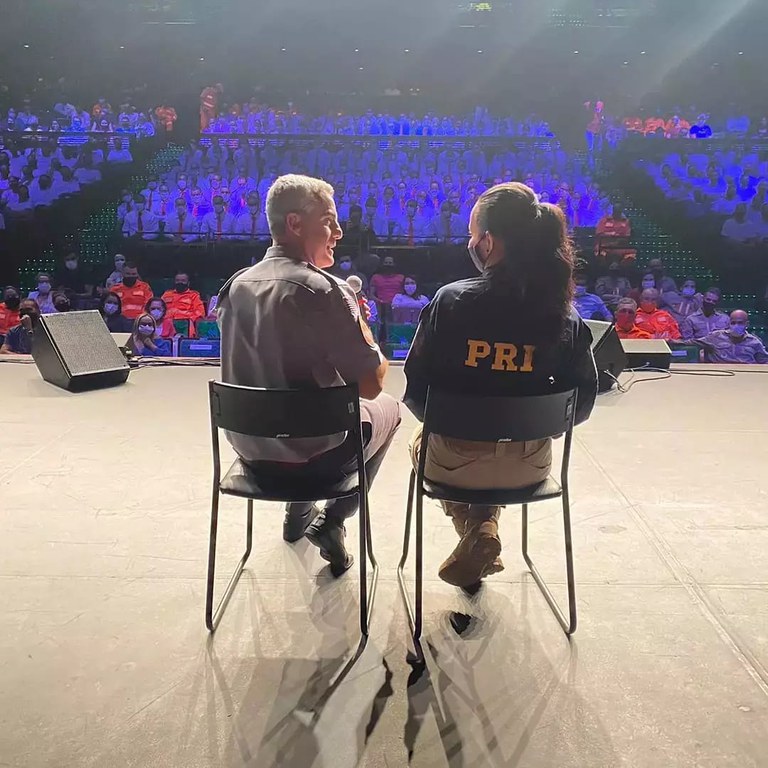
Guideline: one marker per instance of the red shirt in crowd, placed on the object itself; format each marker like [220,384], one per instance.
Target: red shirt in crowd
[386,287]
[186,305]
[660,324]
[8,319]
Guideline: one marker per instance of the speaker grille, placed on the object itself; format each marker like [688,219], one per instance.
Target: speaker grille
[84,342]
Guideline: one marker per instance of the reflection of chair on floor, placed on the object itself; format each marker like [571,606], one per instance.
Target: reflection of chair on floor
[279,414]
[492,419]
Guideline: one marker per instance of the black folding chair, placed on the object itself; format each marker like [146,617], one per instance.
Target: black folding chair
[492,419]
[283,414]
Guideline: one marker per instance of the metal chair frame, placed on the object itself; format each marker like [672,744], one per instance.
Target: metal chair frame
[276,424]
[522,497]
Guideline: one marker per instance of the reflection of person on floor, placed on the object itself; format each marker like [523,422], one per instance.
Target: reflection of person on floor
[509,331]
[287,323]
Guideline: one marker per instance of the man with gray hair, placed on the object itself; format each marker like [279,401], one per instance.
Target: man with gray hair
[288,323]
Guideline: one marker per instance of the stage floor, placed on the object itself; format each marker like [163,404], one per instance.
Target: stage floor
[105,660]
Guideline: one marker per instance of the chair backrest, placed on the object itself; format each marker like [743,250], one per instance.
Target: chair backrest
[284,413]
[494,419]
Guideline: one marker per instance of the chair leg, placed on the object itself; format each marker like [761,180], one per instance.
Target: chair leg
[414,617]
[212,617]
[367,594]
[569,624]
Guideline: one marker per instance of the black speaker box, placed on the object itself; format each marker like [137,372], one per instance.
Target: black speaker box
[75,351]
[609,354]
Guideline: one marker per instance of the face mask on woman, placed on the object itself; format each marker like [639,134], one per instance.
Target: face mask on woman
[44,287]
[156,313]
[410,288]
[345,265]
[689,291]
[145,329]
[110,308]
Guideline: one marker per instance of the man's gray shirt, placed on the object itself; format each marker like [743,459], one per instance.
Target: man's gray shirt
[285,324]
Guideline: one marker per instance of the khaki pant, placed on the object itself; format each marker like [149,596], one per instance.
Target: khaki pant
[470,464]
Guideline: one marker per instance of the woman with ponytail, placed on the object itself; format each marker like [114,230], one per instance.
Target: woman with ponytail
[511,330]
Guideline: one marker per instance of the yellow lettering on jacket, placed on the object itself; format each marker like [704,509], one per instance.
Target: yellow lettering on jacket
[477,351]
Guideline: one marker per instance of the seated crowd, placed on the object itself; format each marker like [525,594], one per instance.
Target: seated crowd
[679,125]
[100,118]
[657,309]
[32,177]
[257,119]
[400,194]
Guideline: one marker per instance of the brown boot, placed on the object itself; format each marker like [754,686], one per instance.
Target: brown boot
[477,554]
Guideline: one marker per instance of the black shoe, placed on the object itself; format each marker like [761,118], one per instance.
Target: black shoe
[294,525]
[328,536]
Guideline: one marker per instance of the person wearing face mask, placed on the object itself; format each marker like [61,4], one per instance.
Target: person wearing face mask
[658,322]
[110,309]
[9,310]
[706,320]
[144,335]
[412,228]
[626,328]
[647,281]
[19,339]
[286,322]
[183,302]
[219,223]
[73,278]
[407,306]
[251,224]
[162,205]
[133,292]
[686,302]
[345,268]
[181,225]
[510,330]
[447,227]
[664,283]
[140,222]
[733,344]
[589,305]
[151,194]
[181,190]
[116,276]
[44,294]
[61,302]
[163,322]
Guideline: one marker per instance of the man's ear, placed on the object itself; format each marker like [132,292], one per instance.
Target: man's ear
[293,223]
[491,243]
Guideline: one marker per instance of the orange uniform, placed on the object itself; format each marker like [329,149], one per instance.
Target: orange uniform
[8,319]
[209,102]
[660,324]
[635,124]
[653,124]
[167,116]
[608,226]
[634,333]
[133,298]
[186,305]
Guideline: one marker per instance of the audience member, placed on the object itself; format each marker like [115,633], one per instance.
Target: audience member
[183,302]
[18,340]
[144,336]
[9,309]
[686,302]
[626,328]
[133,292]
[73,279]
[658,322]
[181,225]
[141,222]
[344,268]
[61,302]
[613,287]
[219,223]
[407,305]
[110,309]
[739,229]
[116,276]
[662,281]
[387,282]
[163,322]
[44,294]
[734,344]
[707,319]
[589,305]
